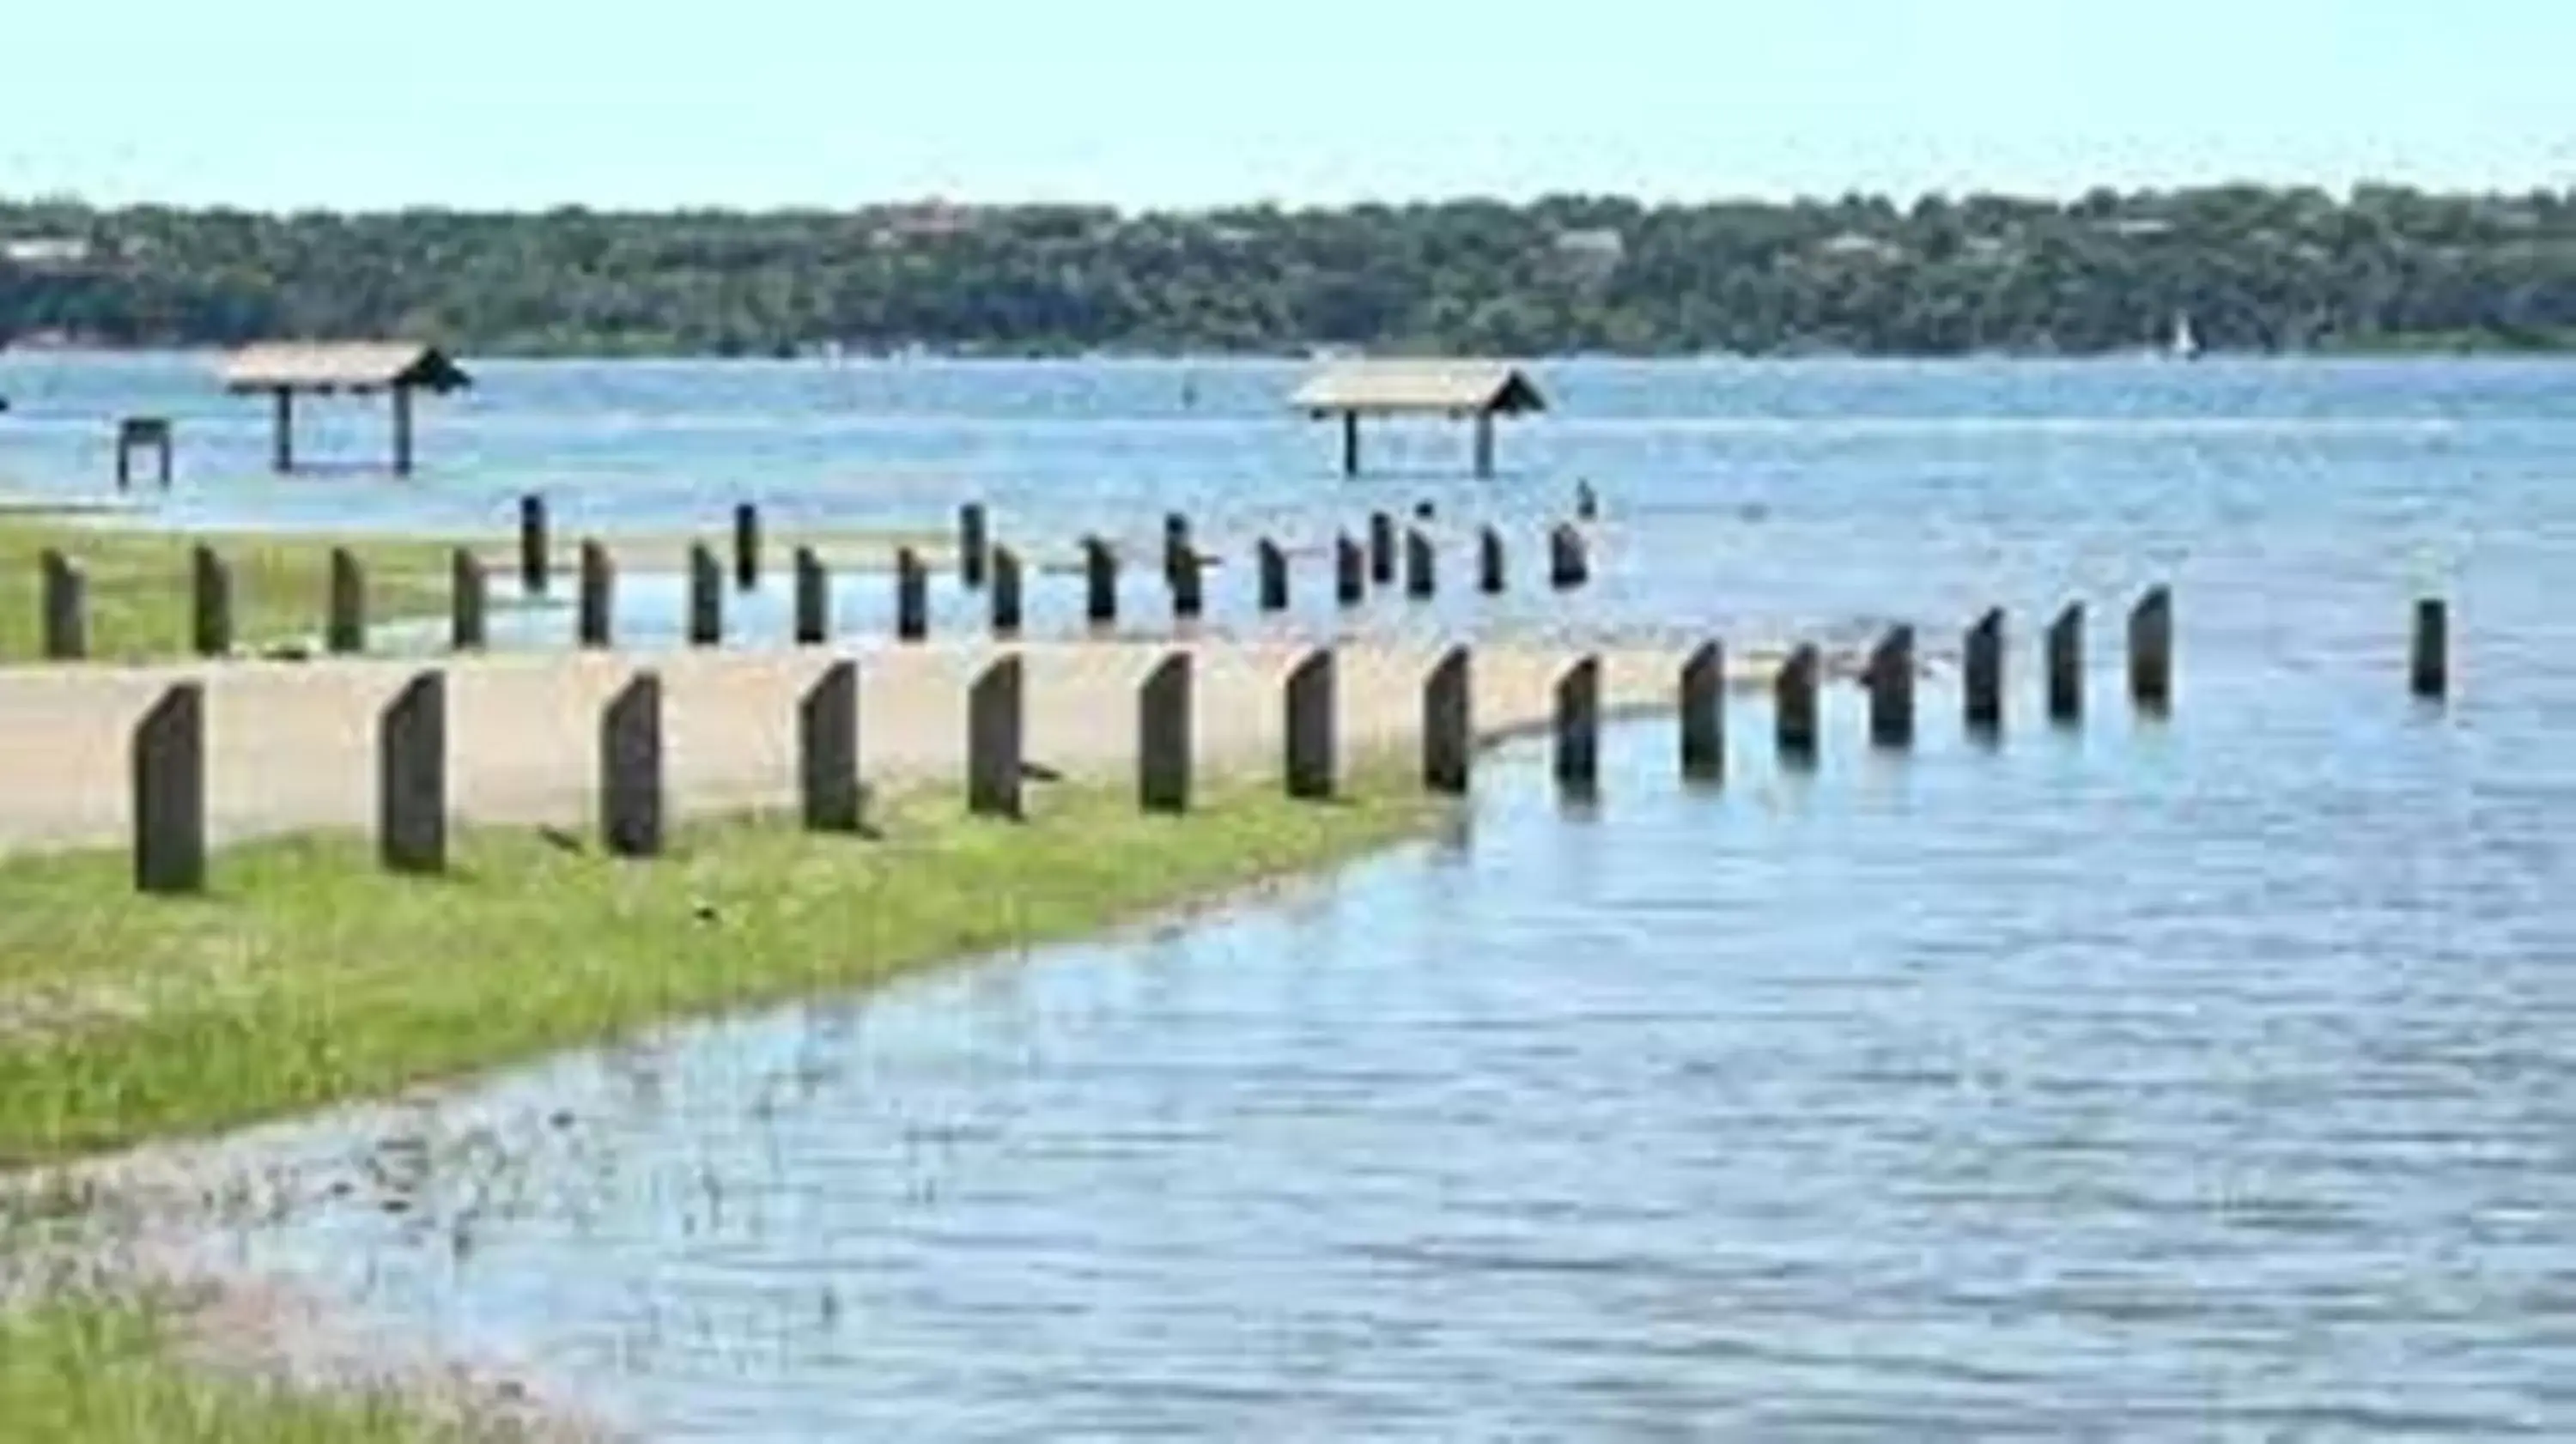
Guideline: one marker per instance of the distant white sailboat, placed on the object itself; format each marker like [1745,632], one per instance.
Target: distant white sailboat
[2184,345]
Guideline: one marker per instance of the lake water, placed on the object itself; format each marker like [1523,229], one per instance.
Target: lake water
[2203,1079]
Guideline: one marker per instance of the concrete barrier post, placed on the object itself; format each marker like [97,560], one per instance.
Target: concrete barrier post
[2066,665]
[1793,707]
[1311,767]
[1350,572]
[2151,652]
[1420,564]
[1567,566]
[344,627]
[469,601]
[813,599]
[827,751]
[169,779]
[995,733]
[1163,741]
[536,553]
[1099,582]
[746,545]
[706,597]
[1489,562]
[1449,723]
[630,763]
[974,544]
[1703,714]
[1981,674]
[1891,689]
[1004,575]
[2428,668]
[411,777]
[598,601]
[1578,726]
[1381,544]
[66,608]
[1274,575]
[211,589]
[911,596]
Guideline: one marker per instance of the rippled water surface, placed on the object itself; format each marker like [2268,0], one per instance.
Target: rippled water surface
[2210,1077]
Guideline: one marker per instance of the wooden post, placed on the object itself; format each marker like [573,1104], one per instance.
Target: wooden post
[1578,726]
[1567,566]
[1350,443]
[401,397]
[813,599]
[344,627]
[1448,723]
[706,597]
[2151,653]
[911,596]
[1189,597]
[827,751]
[1703,709]
[2066,665]
[1489,561]
[1891,689]
[1005,576]
[1099,582]
[66,608]
[411,777]
[1484,444]
[1309,697]
[2428,669]
[1274,575]
[1981,675]
[1176,544]
[536,559]
[630,766]
[282,445]
[994,736]
[1381,537]
[468,601]
[161,458]
[1419,564]
[746,545]
[124,456]
[1163,736]
[597,603]
[1350,571]
[169,785]
[212,598]
[973,542]
[1793,704]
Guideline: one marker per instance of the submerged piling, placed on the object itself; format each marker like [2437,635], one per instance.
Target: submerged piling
[2151,653]
[2428,668]
[1793,707]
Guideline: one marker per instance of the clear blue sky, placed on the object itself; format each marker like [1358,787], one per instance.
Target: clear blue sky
[272,103]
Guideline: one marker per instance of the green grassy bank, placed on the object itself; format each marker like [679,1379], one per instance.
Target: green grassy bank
[139,595]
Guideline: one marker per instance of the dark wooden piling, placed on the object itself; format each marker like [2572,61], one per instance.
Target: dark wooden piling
[1793,707]
[1273,564]
[2428,667]
[911,596]
[2066,665]
[1703,714]
[995,734]
[1099,582]
[1189,586]
[1350,571]
[1567,565]
[1449,722]
[1578,726]
[65,607]
[1178,551]
[1003,576]
[1381,544]
[1420,565]
[169,786]
[596,612]
[746,545]
[974,544]
[706,597]
[469,601]
[1489,561]
[1310,767]
[411,777]
[813,599]
[2151,624]
[1163,742]
[1890,681]
[1981,675]
[536,553]
[630,769]
[344,625]
[211,599]
[827,751]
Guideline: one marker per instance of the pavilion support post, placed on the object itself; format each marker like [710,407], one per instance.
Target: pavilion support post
[1350,443]
[402,430]
[1484,444]
[282,445]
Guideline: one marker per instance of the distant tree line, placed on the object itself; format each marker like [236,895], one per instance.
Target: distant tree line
[2252,267]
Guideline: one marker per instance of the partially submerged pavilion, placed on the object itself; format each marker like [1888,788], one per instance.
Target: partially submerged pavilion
[1459,390]
[286,368]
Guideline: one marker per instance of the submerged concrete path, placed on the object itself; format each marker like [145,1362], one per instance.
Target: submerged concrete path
[292,746]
